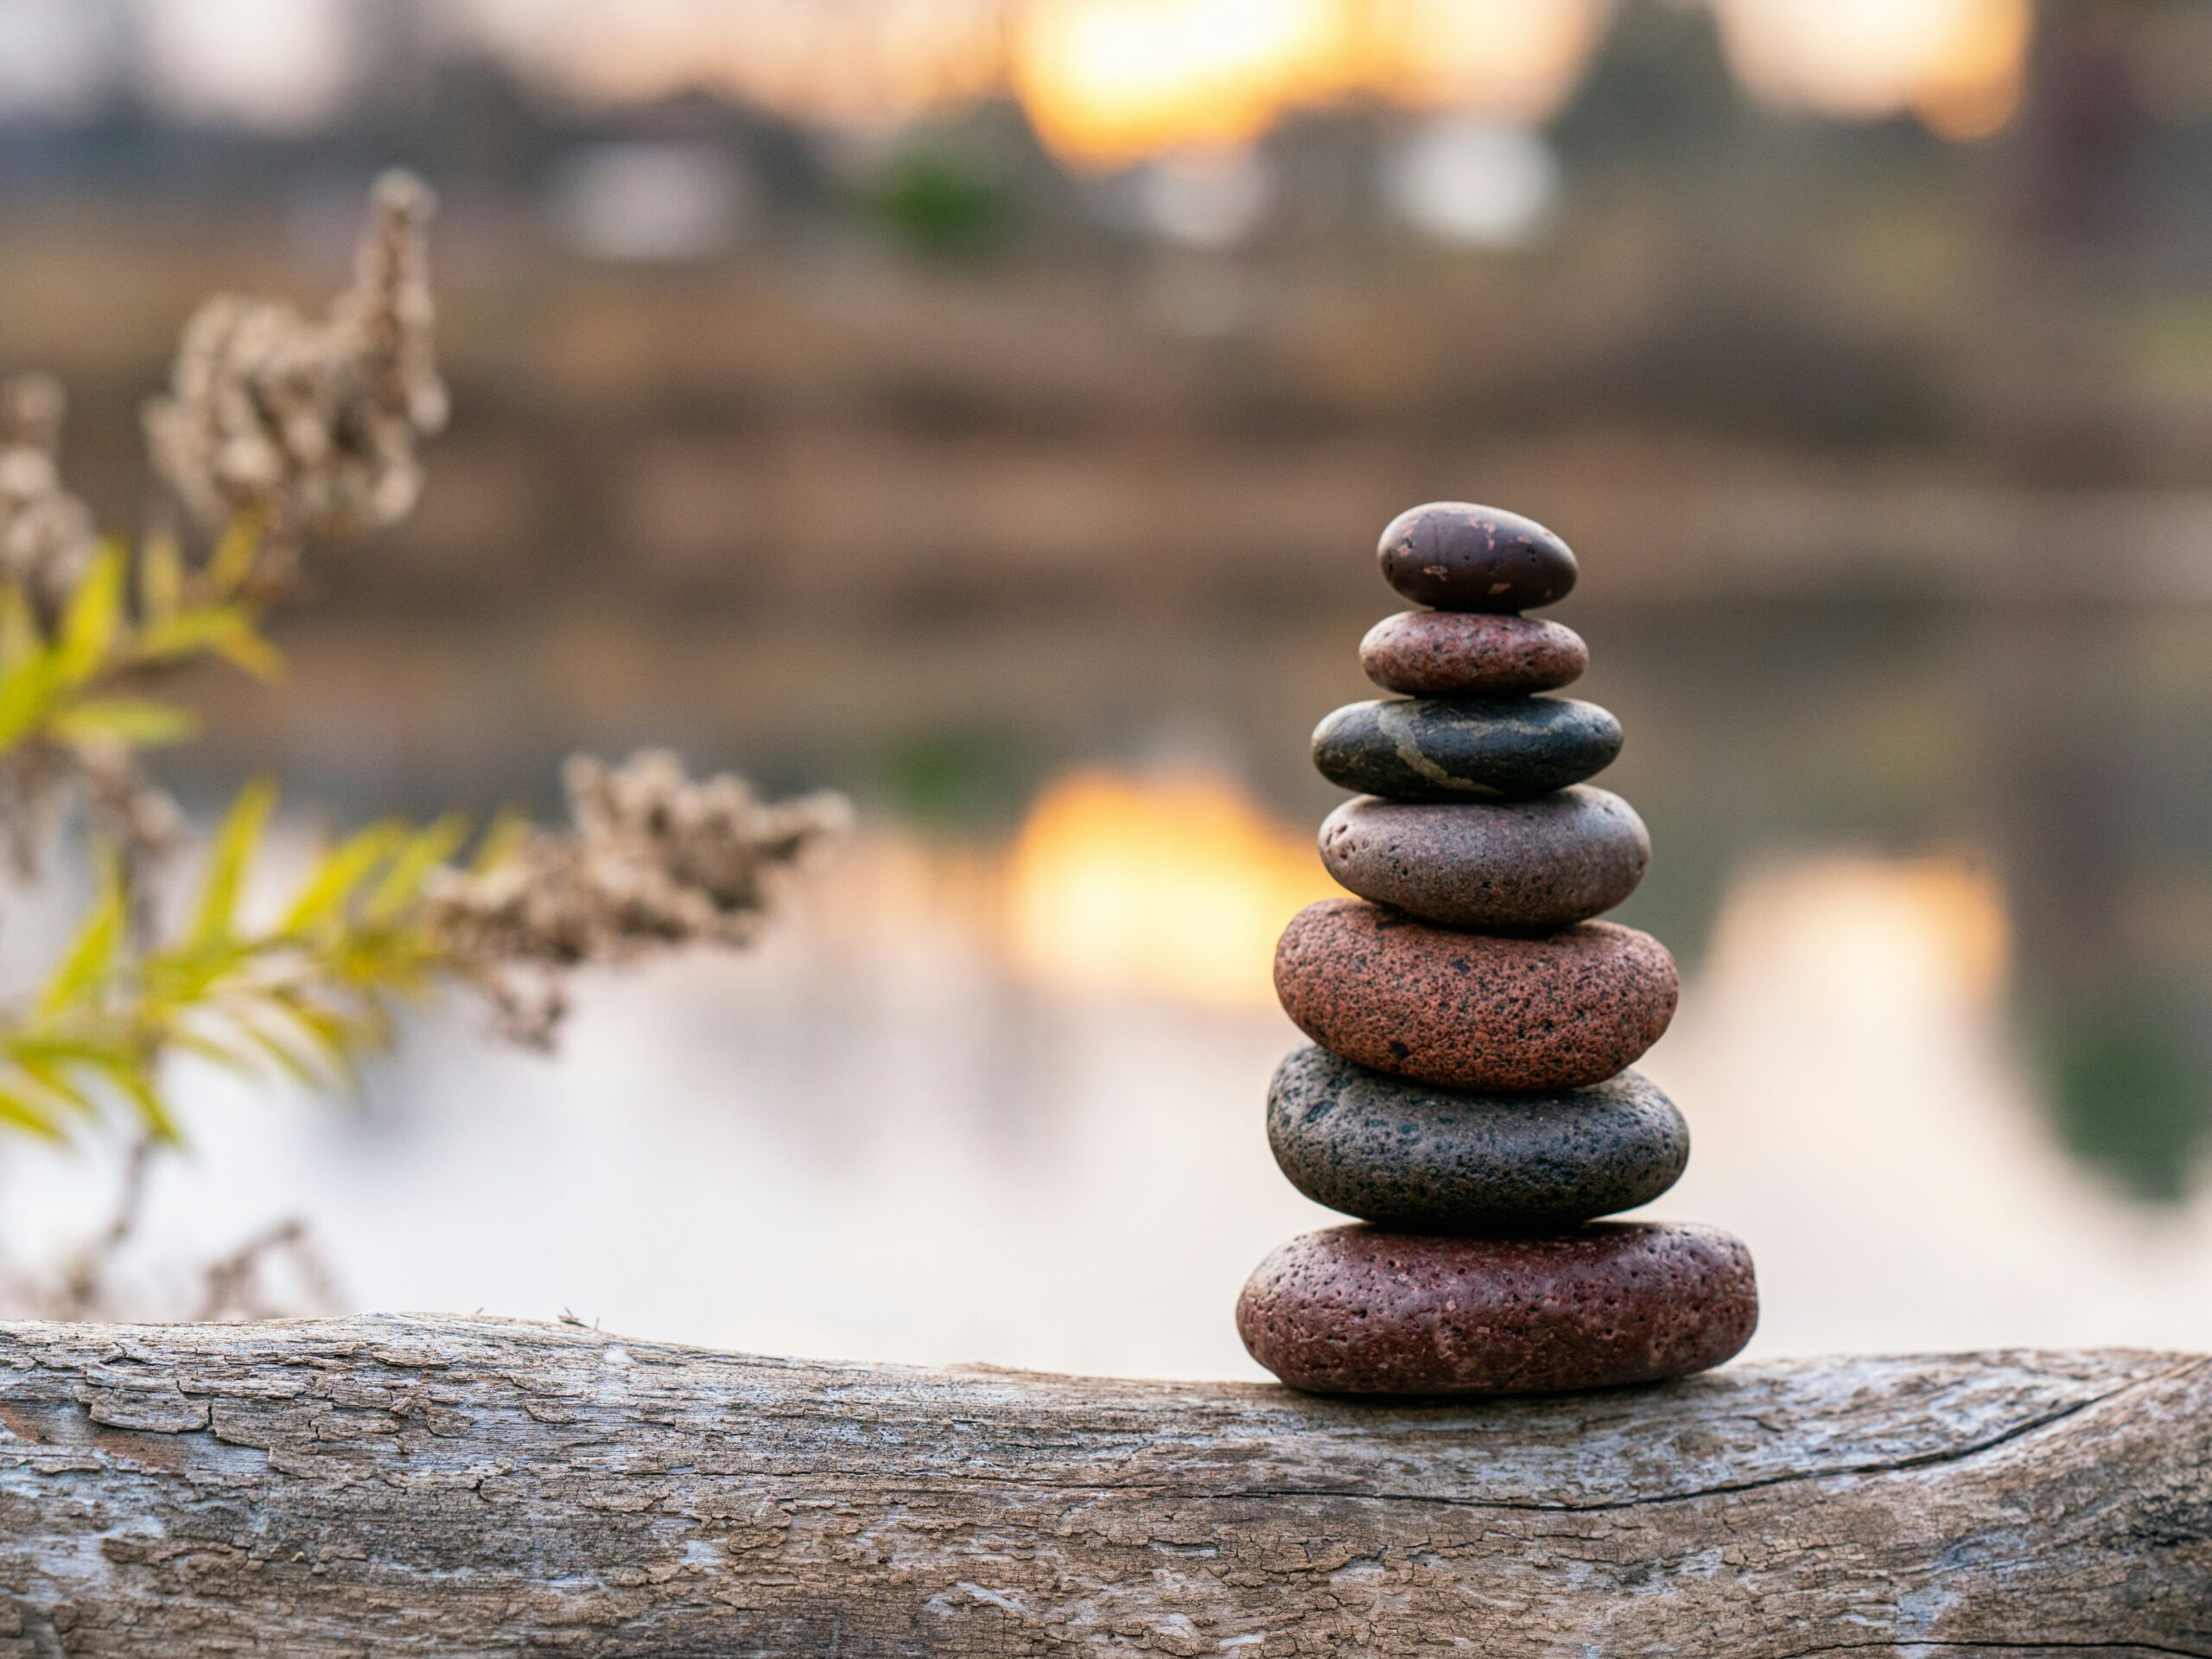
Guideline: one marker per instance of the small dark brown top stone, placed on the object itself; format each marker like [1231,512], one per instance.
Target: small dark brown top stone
[1362,1310]
[1458,557]
[1545,863]
[1469,1010]
[1453,653]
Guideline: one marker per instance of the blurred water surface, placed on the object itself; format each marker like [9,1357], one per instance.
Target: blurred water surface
[1939,878]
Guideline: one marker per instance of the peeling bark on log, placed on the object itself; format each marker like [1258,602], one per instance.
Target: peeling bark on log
[466,1486]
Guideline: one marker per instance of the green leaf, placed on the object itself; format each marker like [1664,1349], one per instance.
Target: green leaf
[235,555]
[326,892]
[235,843]
[503,838]
[91,619]
[85,968]
[57,1082]
[153,1110]
[285,1057]
[160,578]
[27,666]
[230,1059]
[141,722]
[426,850]
[16,1110]
[227,631]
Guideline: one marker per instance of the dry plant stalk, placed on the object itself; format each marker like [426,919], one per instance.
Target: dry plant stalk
[278,428]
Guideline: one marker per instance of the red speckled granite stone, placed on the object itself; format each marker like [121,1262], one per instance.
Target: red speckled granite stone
[1363,1310]
[1452,653]
[1459,556]
[1559,859]
[1468,1010]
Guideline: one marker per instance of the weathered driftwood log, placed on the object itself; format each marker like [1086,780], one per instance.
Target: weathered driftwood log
[453,1486]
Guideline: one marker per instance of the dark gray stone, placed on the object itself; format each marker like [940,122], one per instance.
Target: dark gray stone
[1430,1159]
[1491,866]
[1465,748]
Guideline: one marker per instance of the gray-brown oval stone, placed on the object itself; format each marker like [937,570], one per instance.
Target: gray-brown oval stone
[1546,863]
[1365,1310]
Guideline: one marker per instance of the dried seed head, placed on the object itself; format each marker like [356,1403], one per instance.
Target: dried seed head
[46,535]
[311,426]
[655,861]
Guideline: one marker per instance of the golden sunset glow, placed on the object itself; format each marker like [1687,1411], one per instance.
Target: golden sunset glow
[1108,81]
[1177,885]
[1956,63]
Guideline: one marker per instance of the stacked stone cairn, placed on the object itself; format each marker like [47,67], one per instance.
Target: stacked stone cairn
[1468,1096]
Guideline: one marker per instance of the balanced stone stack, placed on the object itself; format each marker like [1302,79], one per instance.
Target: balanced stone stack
[1469,1096]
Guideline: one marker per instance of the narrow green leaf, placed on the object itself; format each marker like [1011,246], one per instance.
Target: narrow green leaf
[425,851]
[16,1110]
[230,1059]
[235,555]
[228,631]
[285,1057]
[160,578]
[58,1083]
[327,891]
[153,1110]
[85,967]
[235,843]
[246,648]
[26,668]
[503,838]
[92,619]
[141,722]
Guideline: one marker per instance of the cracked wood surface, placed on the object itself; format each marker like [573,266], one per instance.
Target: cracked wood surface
[453,1486]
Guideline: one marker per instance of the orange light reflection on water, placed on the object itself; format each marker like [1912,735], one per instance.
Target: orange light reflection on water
[1178,885]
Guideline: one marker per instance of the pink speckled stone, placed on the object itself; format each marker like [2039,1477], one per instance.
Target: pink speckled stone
[1453,653]
[1470,1010]
[1363,1310]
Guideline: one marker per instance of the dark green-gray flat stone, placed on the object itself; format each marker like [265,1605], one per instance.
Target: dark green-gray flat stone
[1465,748]
[1413,1155]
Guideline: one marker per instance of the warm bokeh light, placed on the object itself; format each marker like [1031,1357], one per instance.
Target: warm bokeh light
[868,66]
[1956,63]
[1510,59]
[1110,82]
[1178,885]
[1926,932]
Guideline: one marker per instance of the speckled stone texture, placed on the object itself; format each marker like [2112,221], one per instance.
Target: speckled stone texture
[1452,653]
[1410,1155]
[1459,556]
[1471,1011]
[1465,748]
[1545,863]
[1363,1310]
